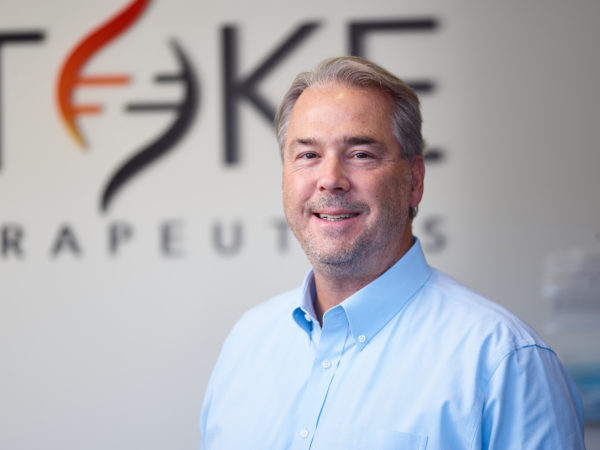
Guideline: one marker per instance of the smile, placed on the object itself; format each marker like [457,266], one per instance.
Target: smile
[336,217]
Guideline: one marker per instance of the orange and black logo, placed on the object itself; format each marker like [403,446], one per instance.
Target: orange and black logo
[71,77]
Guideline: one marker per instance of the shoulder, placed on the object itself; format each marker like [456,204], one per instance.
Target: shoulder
[478,314]
[247,351]
[261,324]
[469,329]
[518,376]
[269,312]
[254,335]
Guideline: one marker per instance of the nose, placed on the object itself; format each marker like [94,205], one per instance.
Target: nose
[333,176]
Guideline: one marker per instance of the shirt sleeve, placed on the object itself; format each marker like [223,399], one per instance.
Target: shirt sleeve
[531,403]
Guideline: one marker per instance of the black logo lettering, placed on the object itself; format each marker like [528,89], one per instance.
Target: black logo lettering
[236,88]
[16,37]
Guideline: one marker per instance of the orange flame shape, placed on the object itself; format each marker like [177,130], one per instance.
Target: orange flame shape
[69,75]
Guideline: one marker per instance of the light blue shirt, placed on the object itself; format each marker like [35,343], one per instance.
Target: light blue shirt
[414,360]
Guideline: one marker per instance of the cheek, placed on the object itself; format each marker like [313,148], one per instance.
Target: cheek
[294,185]
[393,195]
[291,192]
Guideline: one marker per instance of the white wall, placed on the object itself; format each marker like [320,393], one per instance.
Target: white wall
[102,351]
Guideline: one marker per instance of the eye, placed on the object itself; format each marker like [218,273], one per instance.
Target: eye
[307,155]
[361,155]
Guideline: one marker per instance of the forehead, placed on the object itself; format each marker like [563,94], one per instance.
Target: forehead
[338,108]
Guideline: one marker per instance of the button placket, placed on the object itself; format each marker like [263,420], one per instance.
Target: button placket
[328,352]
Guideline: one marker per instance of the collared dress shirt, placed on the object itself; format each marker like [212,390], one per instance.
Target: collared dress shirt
[414,360]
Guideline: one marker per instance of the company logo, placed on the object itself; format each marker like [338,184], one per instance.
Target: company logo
[72,77]
[238,87]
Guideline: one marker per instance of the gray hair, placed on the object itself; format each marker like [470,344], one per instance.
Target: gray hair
[360,73]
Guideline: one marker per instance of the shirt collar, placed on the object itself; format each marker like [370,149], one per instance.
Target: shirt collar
[370,308]
[305,315]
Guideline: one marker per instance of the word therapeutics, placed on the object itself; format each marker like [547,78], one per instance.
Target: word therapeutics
[226,238]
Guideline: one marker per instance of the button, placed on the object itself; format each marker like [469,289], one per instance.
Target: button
[303,433]
[307,318]
[326,364]
[361,338]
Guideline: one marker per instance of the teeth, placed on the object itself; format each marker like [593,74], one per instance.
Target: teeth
[333,218]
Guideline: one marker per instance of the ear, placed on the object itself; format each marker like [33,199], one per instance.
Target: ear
[418,175]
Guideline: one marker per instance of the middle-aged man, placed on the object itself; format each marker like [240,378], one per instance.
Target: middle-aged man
[376,350]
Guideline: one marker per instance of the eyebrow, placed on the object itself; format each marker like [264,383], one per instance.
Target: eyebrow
[347,141]
[309,142]
[360,140]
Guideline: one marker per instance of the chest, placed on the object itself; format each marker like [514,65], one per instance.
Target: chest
[399,391]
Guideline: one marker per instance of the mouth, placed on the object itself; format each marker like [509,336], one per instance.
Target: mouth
[335,217]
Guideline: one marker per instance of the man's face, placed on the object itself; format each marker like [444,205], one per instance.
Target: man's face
[346,188]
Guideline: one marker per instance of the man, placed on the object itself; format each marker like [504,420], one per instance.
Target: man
[376,350]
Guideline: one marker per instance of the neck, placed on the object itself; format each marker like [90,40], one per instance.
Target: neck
[335,283]
[331,291]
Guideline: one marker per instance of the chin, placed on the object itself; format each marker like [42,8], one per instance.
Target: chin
[340,257]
